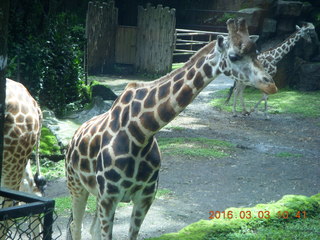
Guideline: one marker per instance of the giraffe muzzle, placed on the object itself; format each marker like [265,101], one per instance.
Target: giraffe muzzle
[270,88]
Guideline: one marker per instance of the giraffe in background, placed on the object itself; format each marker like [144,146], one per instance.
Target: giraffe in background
[115,156]
[269,59]
[22,128]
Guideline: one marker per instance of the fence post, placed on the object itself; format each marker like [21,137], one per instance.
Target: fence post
[155,39]
[101,23]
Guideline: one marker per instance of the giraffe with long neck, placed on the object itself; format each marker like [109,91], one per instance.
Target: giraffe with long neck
[115,156]
[22,127]
[269,59]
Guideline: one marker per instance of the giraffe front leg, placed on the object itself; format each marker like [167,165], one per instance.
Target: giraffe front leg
[140,209]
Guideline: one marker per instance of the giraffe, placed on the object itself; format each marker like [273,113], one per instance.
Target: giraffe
[269,59]
[115,156]
[22,127]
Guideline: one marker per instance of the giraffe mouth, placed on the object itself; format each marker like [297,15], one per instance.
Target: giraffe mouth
[270,89]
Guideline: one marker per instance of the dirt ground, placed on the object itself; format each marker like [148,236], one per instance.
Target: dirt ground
[253,174]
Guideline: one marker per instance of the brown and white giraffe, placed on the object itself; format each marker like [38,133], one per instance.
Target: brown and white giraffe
[22,127]
[269,59]
[115,156]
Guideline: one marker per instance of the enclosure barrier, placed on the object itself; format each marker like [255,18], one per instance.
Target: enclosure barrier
[26,216]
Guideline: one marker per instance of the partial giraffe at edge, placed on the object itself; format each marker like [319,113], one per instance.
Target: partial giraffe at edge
[22,130]
[115,156]
[269,59]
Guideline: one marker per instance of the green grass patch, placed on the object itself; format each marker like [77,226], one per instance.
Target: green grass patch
[48,142]
[51,170]
[292,217]
[285,101]
[195,147]
[64,205]
[288,155]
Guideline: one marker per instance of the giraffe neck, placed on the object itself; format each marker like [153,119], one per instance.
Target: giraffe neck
[155,104]
[276,54]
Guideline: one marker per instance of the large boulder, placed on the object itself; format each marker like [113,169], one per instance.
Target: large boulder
[100,90]
[289,8]
[309,76]
[254,18]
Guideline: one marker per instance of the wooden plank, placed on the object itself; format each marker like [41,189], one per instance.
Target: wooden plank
[126,40]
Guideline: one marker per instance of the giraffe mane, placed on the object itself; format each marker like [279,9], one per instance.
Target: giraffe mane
[202,52]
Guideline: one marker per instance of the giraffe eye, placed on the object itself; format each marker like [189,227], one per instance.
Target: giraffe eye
[234,57]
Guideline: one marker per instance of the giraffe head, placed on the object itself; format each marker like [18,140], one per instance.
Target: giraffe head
[307,31]
[239,60]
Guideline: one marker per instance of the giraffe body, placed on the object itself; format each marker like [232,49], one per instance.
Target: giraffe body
[22,126]
[269,60]
[115,156]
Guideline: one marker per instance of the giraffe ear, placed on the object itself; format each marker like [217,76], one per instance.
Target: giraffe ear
[254,38]
[220,40]
[297,27]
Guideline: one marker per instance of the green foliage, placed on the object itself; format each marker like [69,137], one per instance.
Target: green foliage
[225,17]
[48,142]
[292,217]
[286,101]
[195,147]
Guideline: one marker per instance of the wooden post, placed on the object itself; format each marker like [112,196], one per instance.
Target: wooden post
[4,15]
[155,39]
[101,23]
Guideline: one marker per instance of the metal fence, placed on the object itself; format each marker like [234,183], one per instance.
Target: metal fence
[26,217]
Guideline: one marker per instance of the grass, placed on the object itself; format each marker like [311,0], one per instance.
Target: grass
[292,217]
[63,204]
[48,143]
[195,147]
[285,101]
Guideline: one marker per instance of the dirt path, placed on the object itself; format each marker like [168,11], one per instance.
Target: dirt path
[255,173]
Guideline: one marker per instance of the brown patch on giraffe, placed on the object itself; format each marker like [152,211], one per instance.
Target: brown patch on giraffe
[126,184]
[146,203]
[126,164]
[112,189]
[185,96]
[154,176]
[147,148]
[149,189]
[134,149]
[154,156]
[115,116]
[136,132]
[83,145]
[198,81]
[112,175]
[191,73]
[166,111]
[85,165]
[93,130]
[121,144]
[179,76]
[92,181]
[177,86]
[135,189]
[20,118]
[141,93]
[149,122]
[75,159]
[138,213]
[127,96]
[150,101]
[200,62]
[138,222]
[125,116]
[135,108]
[13,108]
[94,146]
[101,184]
[106,137]
[104,124]
[144,171]
[207,70]
[164,90]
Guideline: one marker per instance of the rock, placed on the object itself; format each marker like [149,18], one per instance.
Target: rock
[289,8]
[100,90]
[286,25]
[309,77]
[269,27]
[254,18]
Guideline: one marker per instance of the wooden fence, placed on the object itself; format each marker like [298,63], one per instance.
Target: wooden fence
[190,41]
